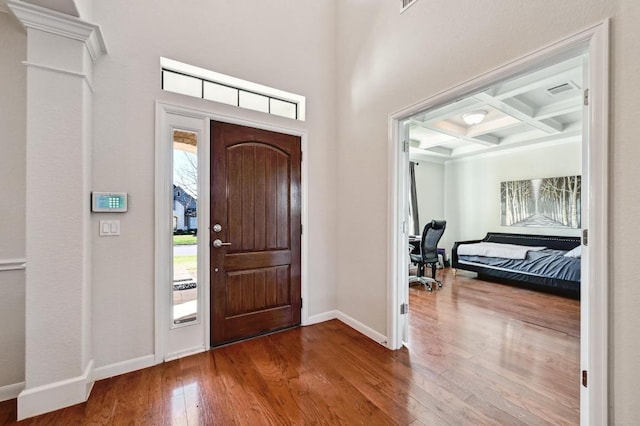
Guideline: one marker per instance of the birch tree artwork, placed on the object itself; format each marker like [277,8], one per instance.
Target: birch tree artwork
[542,203]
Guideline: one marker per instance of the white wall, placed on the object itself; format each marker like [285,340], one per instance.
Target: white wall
[387,61]
[13,50]
[472,194]
[285,44]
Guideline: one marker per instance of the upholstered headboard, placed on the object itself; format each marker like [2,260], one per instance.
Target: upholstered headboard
[550,241]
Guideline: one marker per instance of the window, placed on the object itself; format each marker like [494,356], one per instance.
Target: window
[414,222]
[198,82]
[185,227]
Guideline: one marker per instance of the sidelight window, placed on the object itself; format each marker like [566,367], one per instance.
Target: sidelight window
[185,227]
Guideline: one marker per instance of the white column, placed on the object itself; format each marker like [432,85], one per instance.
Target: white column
[60,54]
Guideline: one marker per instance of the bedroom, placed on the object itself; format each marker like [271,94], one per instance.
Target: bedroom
[459,180]
[528,128]
[458,172]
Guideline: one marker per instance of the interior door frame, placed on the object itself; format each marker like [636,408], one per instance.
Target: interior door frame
[594,305]
[163,249]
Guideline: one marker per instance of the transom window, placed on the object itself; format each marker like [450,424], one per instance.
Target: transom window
[198,82]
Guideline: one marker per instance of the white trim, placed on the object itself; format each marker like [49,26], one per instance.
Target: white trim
[161,265]
[595,40]
[123,367]
[168,119]
[10,391]
[60,71]
[47,20]
[360,327]
[351,322]
[204,221]
[3,9]
[598,303]
[184,352]
[318,318]
[57,395]
[395,172]
[13,264]
[162,271]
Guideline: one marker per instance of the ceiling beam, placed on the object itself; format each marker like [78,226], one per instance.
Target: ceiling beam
[435,150]
[493,125]
[521,111]
[563,107]
[457,132]
[438,150]
[447,111]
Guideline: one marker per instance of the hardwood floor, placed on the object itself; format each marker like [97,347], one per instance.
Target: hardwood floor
[479,353]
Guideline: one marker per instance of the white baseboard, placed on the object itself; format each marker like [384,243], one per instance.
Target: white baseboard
[185,352]
[123,367]
[358,326]
[10,391]
[54,396]
[351,322]
[325,316]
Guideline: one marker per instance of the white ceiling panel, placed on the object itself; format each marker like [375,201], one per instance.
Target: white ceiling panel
[541,106]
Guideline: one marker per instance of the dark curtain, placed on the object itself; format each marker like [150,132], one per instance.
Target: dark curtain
[414,198]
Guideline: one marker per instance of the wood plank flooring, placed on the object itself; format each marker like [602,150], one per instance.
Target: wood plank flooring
[479,353]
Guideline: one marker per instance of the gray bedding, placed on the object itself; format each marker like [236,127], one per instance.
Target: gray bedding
[546,263]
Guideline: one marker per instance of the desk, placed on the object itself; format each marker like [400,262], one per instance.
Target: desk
[414,243]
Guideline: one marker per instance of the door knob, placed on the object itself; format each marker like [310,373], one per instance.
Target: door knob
[217,243]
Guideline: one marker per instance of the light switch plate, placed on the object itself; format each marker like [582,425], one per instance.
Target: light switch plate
[109,228]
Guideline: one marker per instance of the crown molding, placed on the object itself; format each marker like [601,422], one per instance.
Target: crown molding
[43,19]
[12,265]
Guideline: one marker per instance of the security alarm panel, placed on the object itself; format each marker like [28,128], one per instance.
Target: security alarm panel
[109,202]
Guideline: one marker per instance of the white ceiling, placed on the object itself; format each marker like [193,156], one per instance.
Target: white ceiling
[521,111]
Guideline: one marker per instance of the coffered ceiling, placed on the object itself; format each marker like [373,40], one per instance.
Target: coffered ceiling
[542,106]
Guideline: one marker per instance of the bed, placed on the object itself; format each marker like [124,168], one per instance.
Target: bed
[541,262]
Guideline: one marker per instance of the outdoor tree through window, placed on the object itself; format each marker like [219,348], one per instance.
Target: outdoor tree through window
[185,229]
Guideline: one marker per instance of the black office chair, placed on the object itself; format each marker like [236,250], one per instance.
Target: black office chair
[428,255]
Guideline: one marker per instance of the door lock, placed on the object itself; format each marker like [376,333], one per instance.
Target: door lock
[217,243]
[217,227]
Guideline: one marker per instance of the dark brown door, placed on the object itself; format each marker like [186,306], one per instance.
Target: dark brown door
[255,198]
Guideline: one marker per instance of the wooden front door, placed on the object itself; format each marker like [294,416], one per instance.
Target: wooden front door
[255,200]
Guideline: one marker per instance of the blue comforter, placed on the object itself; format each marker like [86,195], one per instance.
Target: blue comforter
[546,263]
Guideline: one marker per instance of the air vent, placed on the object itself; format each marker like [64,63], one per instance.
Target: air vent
[562,88]
[405,4]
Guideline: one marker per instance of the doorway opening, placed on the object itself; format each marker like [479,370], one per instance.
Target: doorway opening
[593,44]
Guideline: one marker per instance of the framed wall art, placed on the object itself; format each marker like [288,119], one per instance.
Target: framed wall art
[541,203]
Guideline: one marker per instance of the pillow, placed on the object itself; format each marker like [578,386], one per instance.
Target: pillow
[576,252]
